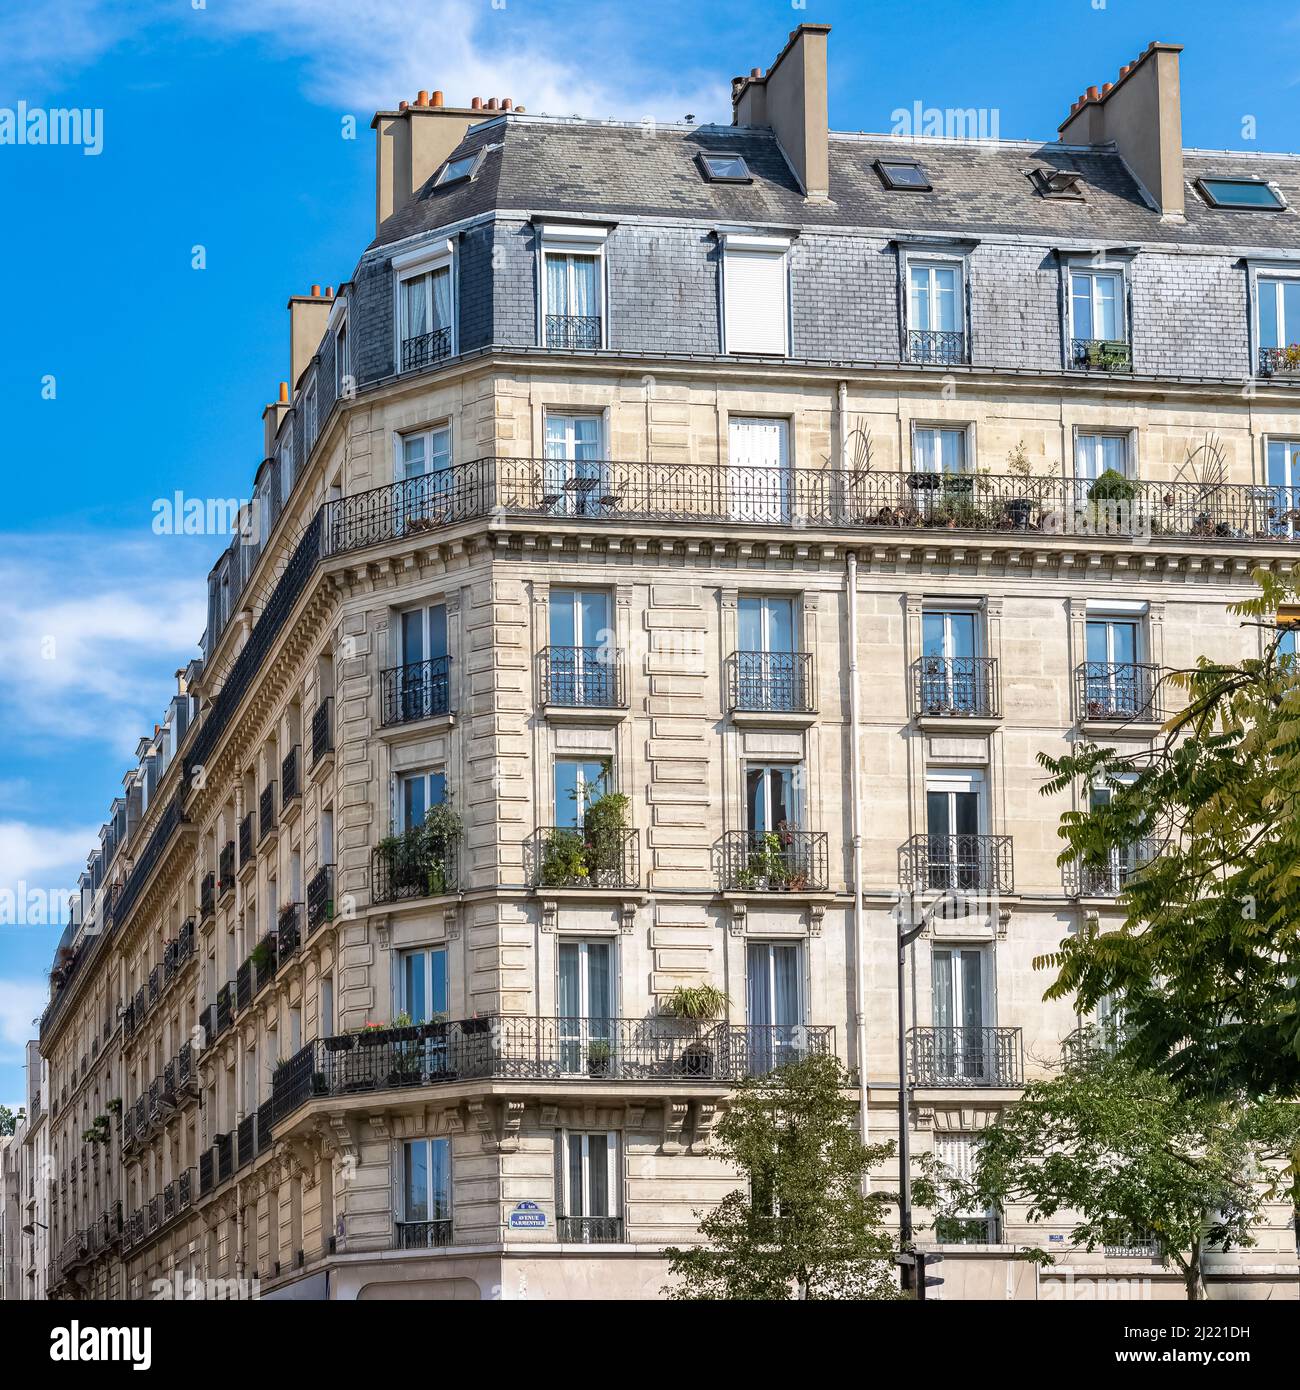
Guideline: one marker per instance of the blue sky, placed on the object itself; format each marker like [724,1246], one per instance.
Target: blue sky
[224,125]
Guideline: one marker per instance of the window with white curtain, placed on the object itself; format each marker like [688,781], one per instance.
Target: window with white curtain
[426,1181]
[586,1188]
[426,310]
[774,1003]
[936,450]
[755,294]
[1097,305]
[572,280]
[1094,454]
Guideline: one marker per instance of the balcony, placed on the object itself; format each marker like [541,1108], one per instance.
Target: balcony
[207,897]
[968,1230]
[244,986]
[226,869]
[419,690]
[402,868]
[290,784]
[421,1235]
[1093,1041]
[1100,355]
[956,863]
[425,349]
[589,1230]
[224,1149]
[320,898]
[265,1115]
[777,861]
[246,840]
[1110,877]
[246,1140]
[955,687]
[225,1006]
[770,682]
[974,1057]
[657,1049]
[266,822]
[1123,692]
[583,678]
[573,332]
[265,960]
[207,1171]
[288,931]
[322,730]
[561,856]
[1283,362]
[936,347]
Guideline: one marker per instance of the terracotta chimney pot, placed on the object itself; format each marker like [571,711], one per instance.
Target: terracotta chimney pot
[284,393]
[422,98]
[476,104]
[315,291]
[437,98]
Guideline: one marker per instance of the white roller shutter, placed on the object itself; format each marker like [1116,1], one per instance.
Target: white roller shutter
[756,310]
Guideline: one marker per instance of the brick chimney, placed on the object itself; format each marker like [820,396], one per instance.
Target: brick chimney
[791,98]
[272,417]
[1141,113]
[411,142]
[308,315]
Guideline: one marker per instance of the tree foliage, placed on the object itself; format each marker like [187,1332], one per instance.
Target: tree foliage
[801,1227]
[1130,1158]
[1205,967]
[8,1121]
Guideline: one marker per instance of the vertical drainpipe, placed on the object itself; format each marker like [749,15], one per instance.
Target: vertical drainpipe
[855,802]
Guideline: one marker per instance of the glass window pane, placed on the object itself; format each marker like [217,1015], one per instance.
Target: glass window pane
[780,624]
[439,450]
[598,1175]
[438,630]
[438,1001]
[586,437]
[967,806]
[758,989]
[567,811]
[1270,329]
[440,1179]
[932,634]
[972,991]
[920,298]
[781,796]
[1123,641]
[1112,453]
[1097,645]
[415,306]
[437,788]
[577,1188]
[570,995]
[785,980]
[755,800]
[600,980]
[564,619]
[1082,303]
[945,294]
[750,625]
[417,1004]
[584,301]
[441,286]
[937,821]
[595,619]
[1106,295]
[557,284]
[416,1196]
[413,455]
[941,974]
[1290,312]
[414,804]
[412,637]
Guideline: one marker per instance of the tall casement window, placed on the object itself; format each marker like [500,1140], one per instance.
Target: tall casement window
[586,1187]
[936,315]
[575,476]
[421,686]
[954,813]
[580,660]
[758,469]
[771,798]
[426,1194]
[956,1156]
[1116,683]
[585,995]
[755,294]
[961,1007]
[423,984]
[1095,454]
[579,782]
[770,673]
[309,414]
[416,793]
[954,679]
[342,360]
[936,450]
[774,1001]
[1284,484]
[426,321]
[572,287]
[422,465]
[1098,319]
[1279,323]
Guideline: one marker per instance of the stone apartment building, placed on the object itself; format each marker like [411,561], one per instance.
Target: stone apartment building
[709,526]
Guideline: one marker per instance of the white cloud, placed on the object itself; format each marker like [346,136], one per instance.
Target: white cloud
[20,1002]
[46,858]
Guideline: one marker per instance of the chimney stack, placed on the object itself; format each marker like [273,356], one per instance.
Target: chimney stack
[1141,113]
[308,315]
[791,98]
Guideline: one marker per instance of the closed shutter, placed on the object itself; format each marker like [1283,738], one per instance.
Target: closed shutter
[755,312]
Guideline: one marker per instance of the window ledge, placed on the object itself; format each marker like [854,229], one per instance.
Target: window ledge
[1121,728]
[584,714]
[958,723]
[774,719]
[434,724]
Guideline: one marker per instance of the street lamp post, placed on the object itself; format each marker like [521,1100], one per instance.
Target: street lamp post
[906,935]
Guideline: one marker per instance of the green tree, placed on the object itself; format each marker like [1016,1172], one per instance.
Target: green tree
[1205,965]
[801,1227]
[1126,1154]
[8,1120]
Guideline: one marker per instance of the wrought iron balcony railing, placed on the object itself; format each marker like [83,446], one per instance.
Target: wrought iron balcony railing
[932,346]
[290,786]
[265,960]
[589,1230]
[573,332]
[226,1006]
[402,868]
[421,1235]
[560,856]
[246,840]
[771,682]
[207,896]
[777,861]
[958,687]
[1100,355]
[320,898]
[1280,361]
[1093,1040]
[266,821]
[418,690]
[1109,878]
[288,932]
[223,1148]
[322,730]
[226,869]
[656,1049]
[244,986]
[425,348]
[992,1057]
[207,1171]
[246,1140]
[968,1230]
[957,863]
[1118,692]
[582,677]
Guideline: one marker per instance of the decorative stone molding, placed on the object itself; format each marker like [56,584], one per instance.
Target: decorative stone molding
[550,914]
[707,1113]
[922,1117]
[451,922]
[676,1113]
[738,914]
[816,912]
[1004,922]
[627,917]
[633,1117]
[966,1119]
[498,1123]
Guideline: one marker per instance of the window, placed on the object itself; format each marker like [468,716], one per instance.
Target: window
[1240,193]
[286,462]
[342,365]
[771,797]
[935,312]
[424,995]
[425,305]
[572,280]
[954,816]
[585,1007]
[326,1021]
[1098,320]
[773,1002]
[578,782]
[575,479]
[725,168]
[936,450]
[1286,648]
[758,469]
[309,414]
[756,294]
[1279,322]
[1115,686]
[952,675]
[456,169]
[421,687]
[956,1155]
[586,1187]
[416,793]
[1284,484]
[903,175]
[580,660]
[1095,454]
[1109,879]
[770,673]
[961,999]
[426,1193]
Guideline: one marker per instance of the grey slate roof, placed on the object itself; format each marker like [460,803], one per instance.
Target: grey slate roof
[589,168]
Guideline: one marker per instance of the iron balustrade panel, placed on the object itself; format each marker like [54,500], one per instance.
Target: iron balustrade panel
[266,822]
[265,961]
[226,869]
[185,1076]
[944,1057]
[154,1217]
[265,1120]
[290,787]
[936,347]
[246,1140]
[421,1235]
[960,687]
[418,690]
[582,677]
[246,840]
[1118,691]
[171,1203]
[1100,355]
[185,1188]
[320,898]
[288,931]
[225,1007]
[771,682]
[426,348]
[224,1149]
[244,986]
[573,332]
[322,730]
[589,1230]
[568,857]
[409,507]
[208,896]
[185,941]
[155,992]
[291,1082]
[755,1049]
[400,871]
[968,1230]
[1109,877]
[957,863]
[1280,361]
[775,861]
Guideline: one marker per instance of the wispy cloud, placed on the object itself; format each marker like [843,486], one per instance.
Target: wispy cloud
[21,1000]
[43,857]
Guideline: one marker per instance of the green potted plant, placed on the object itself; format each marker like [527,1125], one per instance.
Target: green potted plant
[1020,508]
[320,1085]
[599,1058]
[699,1003]
[564,859]
[260,956]
[1108,499]
[604,825]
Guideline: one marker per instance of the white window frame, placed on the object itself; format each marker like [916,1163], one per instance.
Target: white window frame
[798,807]
[1273,276]
[1129,437]
[446,177]
[961,779]
[430,1140]
[965,428]
[427,951]
[425,432]
[612,1184]
[342,356]
[400,778]
[309,412]
[572,239]
[747,243]
[1093,269]
[411,265]
[933,261]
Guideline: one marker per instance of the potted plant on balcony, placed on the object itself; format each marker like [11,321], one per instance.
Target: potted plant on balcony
[320,1085]
[599,1058]
[604,825]
[564,859]
[766,866]
[1110,487]
[699,1003]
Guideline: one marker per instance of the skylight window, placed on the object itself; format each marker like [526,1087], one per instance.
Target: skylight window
[725,168]
[1058,183]
[456,169]
[905,175]
[1240,193]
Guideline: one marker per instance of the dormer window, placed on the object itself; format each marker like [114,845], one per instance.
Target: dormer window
[1058,183]
[1249,194]
[903,175]
[456,169]
[725,168]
